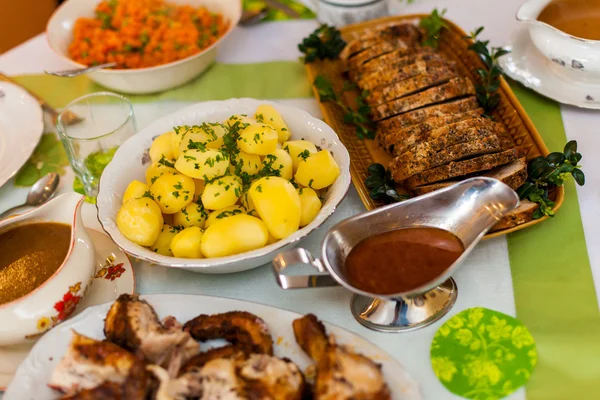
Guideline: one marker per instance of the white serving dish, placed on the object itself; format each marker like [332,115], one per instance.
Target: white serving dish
[59,33]
[21,127]
[131,161]
[25,319]
[33,374]
[578,56]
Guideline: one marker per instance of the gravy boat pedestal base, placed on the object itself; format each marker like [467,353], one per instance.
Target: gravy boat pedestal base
[404,314]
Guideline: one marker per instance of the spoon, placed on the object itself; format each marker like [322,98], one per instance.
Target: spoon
[40,192]
[69,73]
[250,18]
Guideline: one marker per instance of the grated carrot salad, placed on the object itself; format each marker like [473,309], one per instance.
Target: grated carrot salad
[144,33]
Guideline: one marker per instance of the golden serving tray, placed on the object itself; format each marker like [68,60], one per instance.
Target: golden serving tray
[452,43]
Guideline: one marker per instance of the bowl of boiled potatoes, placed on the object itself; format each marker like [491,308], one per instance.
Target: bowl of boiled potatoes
[223,186]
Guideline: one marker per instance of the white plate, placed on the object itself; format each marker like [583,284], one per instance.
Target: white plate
[32,376]
[21,126]
[527,65]
[103,290]
[131,161]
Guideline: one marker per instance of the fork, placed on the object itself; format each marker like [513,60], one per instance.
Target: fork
[68,117]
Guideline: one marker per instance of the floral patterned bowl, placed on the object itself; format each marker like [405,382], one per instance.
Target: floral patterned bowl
[26,318]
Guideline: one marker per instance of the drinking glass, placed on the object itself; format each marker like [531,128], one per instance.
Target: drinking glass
[107,122]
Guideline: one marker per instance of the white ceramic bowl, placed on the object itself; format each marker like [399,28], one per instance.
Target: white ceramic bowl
[131,161]
[26,318]
[576,57]
[59,33]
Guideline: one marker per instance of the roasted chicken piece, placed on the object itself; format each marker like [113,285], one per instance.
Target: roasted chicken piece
[201,359]
[259,377]
[341,374]
[238,327]
[93,366]
[135,387]
[133,324]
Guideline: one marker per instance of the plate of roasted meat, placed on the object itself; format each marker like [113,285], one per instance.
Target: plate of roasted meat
[177,347]
[429,127]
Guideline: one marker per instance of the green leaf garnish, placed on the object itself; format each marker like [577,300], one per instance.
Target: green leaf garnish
[551,171]
[324,43]
[382,185]
[433,25]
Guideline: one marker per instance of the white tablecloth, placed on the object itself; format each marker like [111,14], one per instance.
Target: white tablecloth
[485,280]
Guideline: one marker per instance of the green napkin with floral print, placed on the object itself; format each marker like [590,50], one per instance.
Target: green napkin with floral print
[483,354]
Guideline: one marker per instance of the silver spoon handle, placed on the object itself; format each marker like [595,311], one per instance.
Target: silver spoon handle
[11,210]
[69,73]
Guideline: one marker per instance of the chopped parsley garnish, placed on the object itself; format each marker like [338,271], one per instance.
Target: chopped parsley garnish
[304,155]
[148,194]
[178,185]
[259,118]
[310,183]
[231,213]
[185,156]
[259,188]
[165,162]
[175,194]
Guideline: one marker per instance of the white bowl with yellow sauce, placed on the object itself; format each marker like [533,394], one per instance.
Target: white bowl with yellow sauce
[48,262]
[567,33]
[131,161]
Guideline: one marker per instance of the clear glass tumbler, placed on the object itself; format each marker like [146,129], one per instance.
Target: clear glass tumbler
[107,120]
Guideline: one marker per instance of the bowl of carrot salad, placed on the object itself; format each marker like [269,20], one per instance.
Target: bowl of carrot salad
[156,44]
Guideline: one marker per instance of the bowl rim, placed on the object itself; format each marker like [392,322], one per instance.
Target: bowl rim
[233,24]
[29,221]
[218,262]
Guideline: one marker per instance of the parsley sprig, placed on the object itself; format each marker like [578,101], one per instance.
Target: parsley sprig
[490,78]
[365,128]
[547,172]
[433,25]
[382,185]
[324,43]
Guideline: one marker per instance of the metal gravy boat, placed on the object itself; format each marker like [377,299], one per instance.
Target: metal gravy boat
[467,209]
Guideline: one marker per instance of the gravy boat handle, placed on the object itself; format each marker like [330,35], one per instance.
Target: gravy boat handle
[297,256]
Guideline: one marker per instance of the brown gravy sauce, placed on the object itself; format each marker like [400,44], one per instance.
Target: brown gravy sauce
[401,260]
[29,255]
[579,18]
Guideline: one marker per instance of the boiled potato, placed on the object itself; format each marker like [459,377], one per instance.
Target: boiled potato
[209,136]
[282,161]
[258,139]
[317,171]
[248,204]
[203,164]
[156,170]
[310,205]
[234,235]
[268,115]
[251,163]
[135,190]
[161,147]
[298,150]
[222,192]
[186,244]
[162,245]
[140,221]
[193,214]
[199,184]
[176,136]
[243,119]
[226,212]
[272,239]
[173,192]
[278,205]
